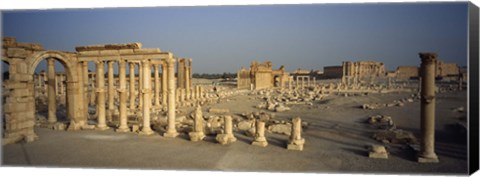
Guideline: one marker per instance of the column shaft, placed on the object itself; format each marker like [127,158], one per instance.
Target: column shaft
[157,85]
[52,101]
[171,130]
[123,97]
[101,96]
[132,86]
[427,108]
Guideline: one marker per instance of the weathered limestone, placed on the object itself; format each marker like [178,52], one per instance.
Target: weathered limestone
[140,85]
[260,139]
[378,152]
[132,85]
[164,84]
[123,98]
[171,130]
[261,75]
[296,141]
[147,99]
[427,109]
[101,97]
[84,68]
[227,136]
[197,134]
[52,101]
[111,92]
[157,85]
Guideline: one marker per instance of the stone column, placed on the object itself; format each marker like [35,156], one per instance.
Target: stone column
[296,141]
[111,91]
[164,83]
[52,101]
[171,130]
[147,99]
[157,85]
[101,96]
[177,95]
[187,79]
[123,97]
[181,73]
[85,86]
[182,95]
[132,86]
[427,109]
[226,137]
[140,85]
[197,133]
[260,139]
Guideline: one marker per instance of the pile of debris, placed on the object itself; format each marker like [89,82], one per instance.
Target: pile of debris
[388,132]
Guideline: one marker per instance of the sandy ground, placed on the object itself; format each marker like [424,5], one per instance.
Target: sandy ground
[336,141]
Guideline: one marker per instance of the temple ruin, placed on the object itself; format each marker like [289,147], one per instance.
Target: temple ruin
[261,76]
[115,100]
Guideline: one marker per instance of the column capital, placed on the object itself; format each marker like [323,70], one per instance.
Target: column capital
[170,61]
[428,57]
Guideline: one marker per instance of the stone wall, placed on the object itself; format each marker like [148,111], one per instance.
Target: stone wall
[406,72]
[332,71]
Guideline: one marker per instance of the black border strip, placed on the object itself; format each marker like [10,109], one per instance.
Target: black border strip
[473,87]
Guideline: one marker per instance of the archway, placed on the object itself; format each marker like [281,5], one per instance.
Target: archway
[74,95]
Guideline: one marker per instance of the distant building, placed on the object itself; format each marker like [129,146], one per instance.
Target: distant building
[261,75]
[330,72]
[406,72]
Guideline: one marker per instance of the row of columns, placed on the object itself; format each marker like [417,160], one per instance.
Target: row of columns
[145,92]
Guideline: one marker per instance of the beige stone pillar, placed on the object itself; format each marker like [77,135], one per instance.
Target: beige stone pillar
[164,83]
[52,101]
[101,96]
[296,141]
[140,85]
[187,80]
[427,109]
[197,133]
[260,139]
[132,85]
[147,99]
[157,85]
[111,91]
[226,137]
[123,97]
[177,95]
[85,84]
[182,95]
[171,130]
[181,73]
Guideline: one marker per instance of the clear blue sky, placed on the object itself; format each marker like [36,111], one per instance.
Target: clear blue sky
[224,38]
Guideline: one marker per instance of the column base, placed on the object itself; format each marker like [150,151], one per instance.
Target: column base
[170,134]
[102,127]
[146,132]
[295,147]
[196,136]
[122,129]
[431,159]
[224,139]
[260,143]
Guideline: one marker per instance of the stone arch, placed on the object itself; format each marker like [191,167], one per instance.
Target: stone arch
[75,108]
[68,63]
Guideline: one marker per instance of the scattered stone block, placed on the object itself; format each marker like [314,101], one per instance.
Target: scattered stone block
[378,152]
